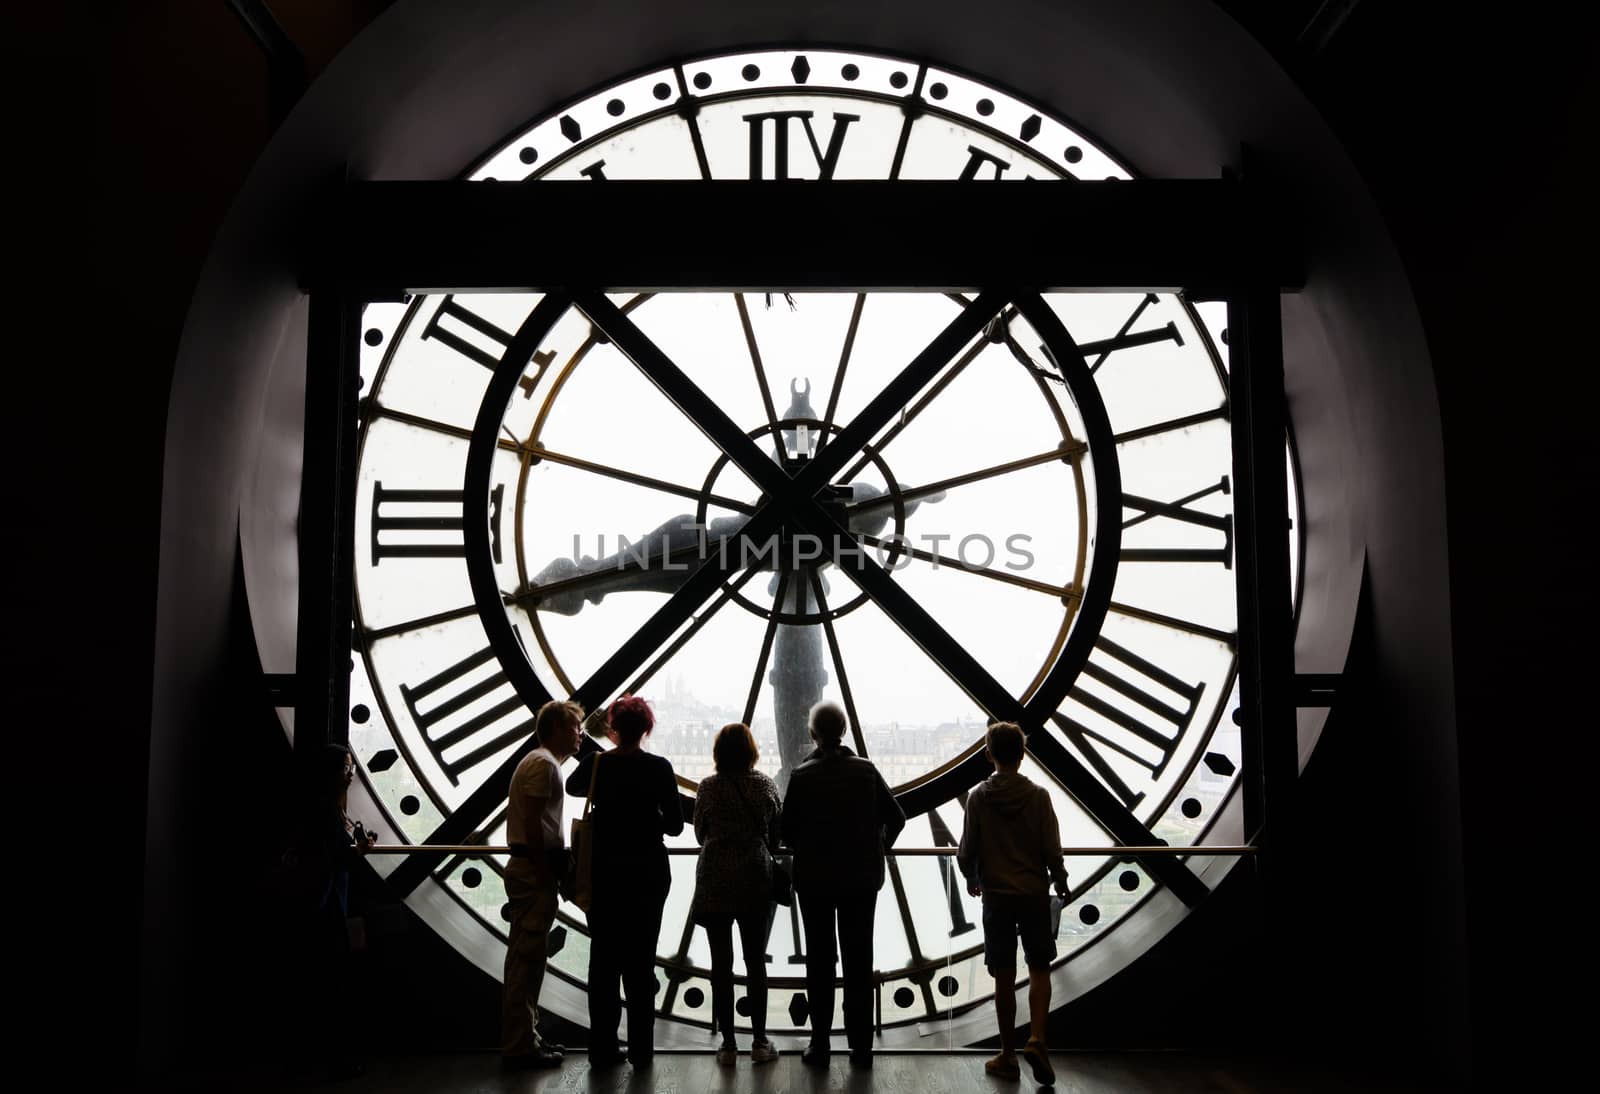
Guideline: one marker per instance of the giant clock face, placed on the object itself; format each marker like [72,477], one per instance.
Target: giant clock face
[1053,499]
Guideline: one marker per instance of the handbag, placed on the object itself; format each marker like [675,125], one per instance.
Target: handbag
[579,887]
[782,891]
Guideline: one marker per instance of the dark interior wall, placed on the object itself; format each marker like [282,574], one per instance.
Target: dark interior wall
[179,107]
[1471,135]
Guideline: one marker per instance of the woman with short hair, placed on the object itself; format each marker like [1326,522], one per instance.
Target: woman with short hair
[636,803]
[736,822]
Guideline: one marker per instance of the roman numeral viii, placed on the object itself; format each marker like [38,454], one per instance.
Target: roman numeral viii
[425,523]
[465,716]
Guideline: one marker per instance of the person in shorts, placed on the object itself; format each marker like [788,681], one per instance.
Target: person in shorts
[1010,853]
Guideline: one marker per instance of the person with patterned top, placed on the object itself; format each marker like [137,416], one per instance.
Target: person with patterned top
[736,822]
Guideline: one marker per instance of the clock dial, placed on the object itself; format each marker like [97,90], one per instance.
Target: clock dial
[1060,452]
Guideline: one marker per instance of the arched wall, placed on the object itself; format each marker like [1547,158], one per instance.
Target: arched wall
[1174,88]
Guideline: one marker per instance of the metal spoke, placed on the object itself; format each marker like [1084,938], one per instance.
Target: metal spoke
[906,124]
[641,480]
[838,662]
[375,409]
[684,393]
[892,399]
[689,632]
[978,571]
[538,451]
[417,624]
[766,648]
[1067,451]
[1228,638]
[844,362]
[761,370]
[910,415]
[1216,415]
[689,117]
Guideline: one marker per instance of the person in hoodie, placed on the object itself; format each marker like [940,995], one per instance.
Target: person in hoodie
[1010,852]
[838,818]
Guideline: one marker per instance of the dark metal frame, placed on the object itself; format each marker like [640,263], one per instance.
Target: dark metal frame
[1129,234]
[327,529]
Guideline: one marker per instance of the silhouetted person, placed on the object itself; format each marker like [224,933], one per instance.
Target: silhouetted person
[1010,852]
[736,822]
[538,862]
[635,804]
[839,818]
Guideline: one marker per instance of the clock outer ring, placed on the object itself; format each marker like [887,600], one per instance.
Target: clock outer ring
[955,777]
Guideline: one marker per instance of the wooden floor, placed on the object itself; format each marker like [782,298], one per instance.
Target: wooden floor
[691,1073]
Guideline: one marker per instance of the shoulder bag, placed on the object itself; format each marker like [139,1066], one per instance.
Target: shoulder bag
[579,888]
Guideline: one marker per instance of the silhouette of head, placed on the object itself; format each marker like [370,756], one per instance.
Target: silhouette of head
[1004,742]
[827,724]
[553,721]
[631,718]
[734,750]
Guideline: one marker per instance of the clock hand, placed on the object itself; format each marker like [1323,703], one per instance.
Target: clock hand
[658,562]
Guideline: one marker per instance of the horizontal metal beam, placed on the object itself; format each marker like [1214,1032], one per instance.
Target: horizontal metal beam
[1118,851]
[384,239]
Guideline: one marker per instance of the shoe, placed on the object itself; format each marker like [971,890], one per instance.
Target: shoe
[1003,1066]
[862,1059]
[763,1051]
[527,1061]
[605,1057]
[727,1054]
[816,1055]
[641,1060]
[550,1046]
[1038,1058]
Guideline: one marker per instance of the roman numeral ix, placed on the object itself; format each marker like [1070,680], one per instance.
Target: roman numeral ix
[417,511]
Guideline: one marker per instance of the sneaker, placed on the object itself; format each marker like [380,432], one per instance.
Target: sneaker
[816,1055]
[727,1054]
[1003,1066]
[861,1058]
[1038,1058]
[763,1051]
